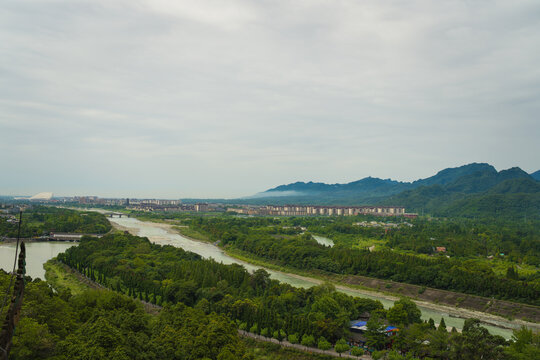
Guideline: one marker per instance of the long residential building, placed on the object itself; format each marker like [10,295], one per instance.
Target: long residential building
[305,210]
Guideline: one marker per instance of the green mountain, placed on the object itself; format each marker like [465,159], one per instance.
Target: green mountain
[536,175]
[509,193]
[475,189]
[366,191]
[450,175]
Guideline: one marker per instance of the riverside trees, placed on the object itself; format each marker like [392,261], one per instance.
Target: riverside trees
[282,241]
[101,324]
[169,275]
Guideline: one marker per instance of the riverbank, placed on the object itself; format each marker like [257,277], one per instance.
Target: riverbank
[165,234]
[337,281]
[62,278]
[489,311]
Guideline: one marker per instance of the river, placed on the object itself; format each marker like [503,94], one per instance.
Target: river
[323,240]
[164,234]
[37,254]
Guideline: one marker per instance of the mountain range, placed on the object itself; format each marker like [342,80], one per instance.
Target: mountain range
[476,189]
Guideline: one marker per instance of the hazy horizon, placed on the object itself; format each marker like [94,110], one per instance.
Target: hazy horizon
[210,99]
[208,197]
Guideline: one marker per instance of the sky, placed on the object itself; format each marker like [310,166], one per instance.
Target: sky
[212,98]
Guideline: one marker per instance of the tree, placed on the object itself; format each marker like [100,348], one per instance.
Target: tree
[324,344]
[411,338]
[279,335]
[341,346]
[32,340]
[293,338]
[524,345]
[413,312]
[375,334]
[442,325]
[308,340]
[476,342]
[356,351]
[397,315]
[260,279]
[438,344]
[511,273]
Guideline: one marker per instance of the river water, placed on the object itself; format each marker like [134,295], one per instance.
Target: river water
[323,240]
[37,254]
[161,234]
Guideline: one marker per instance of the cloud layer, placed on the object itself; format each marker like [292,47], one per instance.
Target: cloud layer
[212,98]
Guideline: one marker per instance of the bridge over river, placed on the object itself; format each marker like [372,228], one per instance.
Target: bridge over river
[115,214]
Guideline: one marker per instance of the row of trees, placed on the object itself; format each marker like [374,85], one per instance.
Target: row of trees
[168,275]
[302,252]
[105,325]
[462,237]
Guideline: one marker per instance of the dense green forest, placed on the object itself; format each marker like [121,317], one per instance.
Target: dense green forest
[107,325]
[168,275]
[464,268]
[204,304]
[511,199]
[40,220]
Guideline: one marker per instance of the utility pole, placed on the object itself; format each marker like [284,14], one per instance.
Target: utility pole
[14,311]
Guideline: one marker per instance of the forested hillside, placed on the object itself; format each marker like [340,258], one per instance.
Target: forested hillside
[473,190]
[511,194]
[105,325]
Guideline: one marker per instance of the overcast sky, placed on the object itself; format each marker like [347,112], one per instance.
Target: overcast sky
[170,99]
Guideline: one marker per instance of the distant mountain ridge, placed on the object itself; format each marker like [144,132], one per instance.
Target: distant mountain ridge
[471,190]
[370,183]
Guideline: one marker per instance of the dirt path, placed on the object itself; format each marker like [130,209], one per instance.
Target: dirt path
[154,309]
[148,307]
[285,343]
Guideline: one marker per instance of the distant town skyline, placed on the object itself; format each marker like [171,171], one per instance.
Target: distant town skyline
[209,99]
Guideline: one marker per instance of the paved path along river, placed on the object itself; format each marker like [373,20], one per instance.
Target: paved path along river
[164,234]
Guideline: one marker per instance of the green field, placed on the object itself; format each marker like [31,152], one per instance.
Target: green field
[61,280]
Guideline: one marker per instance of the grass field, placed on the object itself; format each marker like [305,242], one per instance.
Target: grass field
[363,243]
[500,266]
[60,279]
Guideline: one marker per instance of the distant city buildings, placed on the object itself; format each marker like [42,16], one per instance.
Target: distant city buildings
[305,210]
[144,204]
[168,205]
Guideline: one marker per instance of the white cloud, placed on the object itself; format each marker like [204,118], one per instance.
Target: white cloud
[213,98]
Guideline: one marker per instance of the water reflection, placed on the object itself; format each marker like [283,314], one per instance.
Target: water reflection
[37,254]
